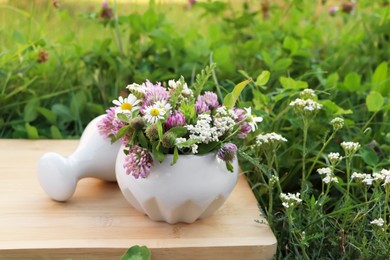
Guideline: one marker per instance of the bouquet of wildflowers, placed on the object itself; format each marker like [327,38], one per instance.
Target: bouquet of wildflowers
[159,119]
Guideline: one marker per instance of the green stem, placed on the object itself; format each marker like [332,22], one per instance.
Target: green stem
[319,153]
[369,121]
[348,164]
[304,148]
[386,207]
[117,31]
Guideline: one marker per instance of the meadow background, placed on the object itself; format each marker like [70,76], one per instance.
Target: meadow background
[63,62]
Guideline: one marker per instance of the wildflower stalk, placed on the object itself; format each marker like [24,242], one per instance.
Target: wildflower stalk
[304,148]
[117,31]
[348,169]
[320,152]
[386,207]
[295,237]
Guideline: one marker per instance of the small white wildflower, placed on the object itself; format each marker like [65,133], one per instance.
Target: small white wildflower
[223,121]
[334,158]
[337,123]
[368,180]
[203,130]
[194,148]
[270,138]
[252,120]
[274,179]
[290,199]
[138,89]
[385,176]
[378,176]
[308,105]
[173,85]
[324,171]
[350,148]
[327,175]
[378,222]
[307,94]
[363,178]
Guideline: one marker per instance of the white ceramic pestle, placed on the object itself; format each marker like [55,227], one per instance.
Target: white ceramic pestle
[94,157]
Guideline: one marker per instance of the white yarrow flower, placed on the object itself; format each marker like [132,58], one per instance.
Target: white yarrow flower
[363,178]
[270,138]
[137,88]
[350,147]
[290,199]
[327,175]
[378,222]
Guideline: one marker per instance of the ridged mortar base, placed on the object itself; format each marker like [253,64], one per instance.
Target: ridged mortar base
[195,187]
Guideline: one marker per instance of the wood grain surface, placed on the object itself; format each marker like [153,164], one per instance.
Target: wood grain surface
[98,223]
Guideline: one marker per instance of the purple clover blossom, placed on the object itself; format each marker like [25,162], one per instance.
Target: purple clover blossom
[206,102]
[201,105]
[211,99]
[240,113]
[110,125]
[227,152]
[138,162]
[245,127]
[175,119]
[153,94]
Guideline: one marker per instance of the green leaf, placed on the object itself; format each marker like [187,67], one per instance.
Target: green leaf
[179,131]
[380,80]
[352,82]
[260,100]
[48,114]
[333,108]
[263,78]
[369,156]
[121,132]
[290,43]
[230,100]
[30,110]
[206,148]
[137,253]
[282,64]
[123,117]
[332,80]
[55,133]
[289,83]
[189,142]
[374,101]
[229,166]
[77,103]
[157,153]
[160,129]
[142,139]
[18,37]
[32,132]
[175,155]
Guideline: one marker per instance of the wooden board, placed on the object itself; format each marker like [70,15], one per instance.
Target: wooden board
[98,223]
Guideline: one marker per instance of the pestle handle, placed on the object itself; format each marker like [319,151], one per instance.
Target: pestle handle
[56,176]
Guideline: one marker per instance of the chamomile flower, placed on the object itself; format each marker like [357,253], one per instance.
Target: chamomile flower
[126,105]
[154,113]
[252,120]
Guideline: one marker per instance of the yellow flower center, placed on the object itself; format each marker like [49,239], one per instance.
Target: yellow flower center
[154,112]
[126,106]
